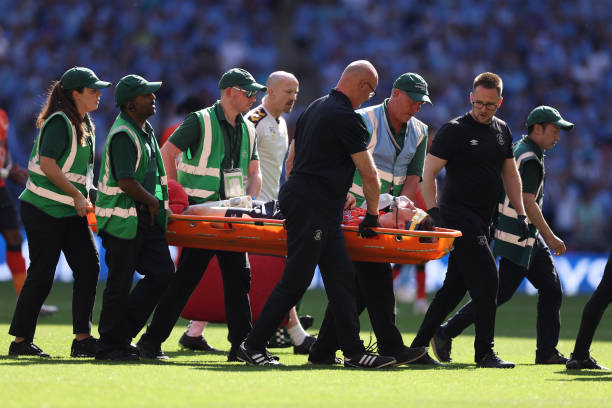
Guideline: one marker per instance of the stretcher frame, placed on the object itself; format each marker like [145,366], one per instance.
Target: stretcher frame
[268,237]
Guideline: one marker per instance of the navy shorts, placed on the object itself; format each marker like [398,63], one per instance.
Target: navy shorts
[8,215]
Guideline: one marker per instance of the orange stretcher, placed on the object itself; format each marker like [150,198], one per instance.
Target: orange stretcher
[268,237]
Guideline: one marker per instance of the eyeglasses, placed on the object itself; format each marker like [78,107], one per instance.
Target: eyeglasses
[373,93]
[490,105]
[247,93]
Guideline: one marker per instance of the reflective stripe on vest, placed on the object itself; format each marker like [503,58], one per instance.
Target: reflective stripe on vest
[34,166]
[116,211]
[201,168]
[103,184]
[207,189]
[51,195]
[504,208]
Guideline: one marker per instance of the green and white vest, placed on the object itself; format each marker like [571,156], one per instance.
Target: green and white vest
[391,166]
[75,164]
[115,210]
[506,234]
[199,172]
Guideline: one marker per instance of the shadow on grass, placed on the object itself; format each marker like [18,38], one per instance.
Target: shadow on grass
[25,360]
[208,365]
[191,353]
[584,375]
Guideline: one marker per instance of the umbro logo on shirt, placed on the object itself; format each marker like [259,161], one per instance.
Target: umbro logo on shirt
[474,142]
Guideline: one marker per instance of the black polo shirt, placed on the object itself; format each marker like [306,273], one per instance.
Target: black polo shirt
[326,135]
[475,154]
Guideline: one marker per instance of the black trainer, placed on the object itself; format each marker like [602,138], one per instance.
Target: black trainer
[588,363]
[426,360]
[84,348]
[367,360]
[327,360]
[492,360]
[441,347]
[150,351]
[233,355]
[26,348]
[554,358]
[409,354]
[255,357]
[198,343]
[117,355]
[304,348]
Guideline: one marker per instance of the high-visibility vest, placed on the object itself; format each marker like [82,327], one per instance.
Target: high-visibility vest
[391,166]
[506,234]
[199,172]
[115,210]
[75,163]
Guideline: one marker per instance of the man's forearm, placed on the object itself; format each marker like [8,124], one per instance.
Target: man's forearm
[537,218]
[136,191]
[410,186]
[254,187]
[429,189]
[371,192]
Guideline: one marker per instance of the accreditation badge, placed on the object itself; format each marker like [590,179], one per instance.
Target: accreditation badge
[233,183]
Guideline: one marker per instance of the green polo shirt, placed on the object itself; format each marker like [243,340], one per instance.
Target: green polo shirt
[54,138]
[187,138]
[123,155]
[532,172]
[418,161]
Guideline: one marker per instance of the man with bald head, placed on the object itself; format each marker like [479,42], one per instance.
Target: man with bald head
[329,143]
[272,136]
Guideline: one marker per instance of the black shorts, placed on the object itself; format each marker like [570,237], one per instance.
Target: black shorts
[8,215]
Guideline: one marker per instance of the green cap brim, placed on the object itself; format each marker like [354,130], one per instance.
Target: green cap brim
[254,87]
[99,85]
[418,97]
[564,124]
[150,87]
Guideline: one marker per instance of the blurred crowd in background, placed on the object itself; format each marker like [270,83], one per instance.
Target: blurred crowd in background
[547,52]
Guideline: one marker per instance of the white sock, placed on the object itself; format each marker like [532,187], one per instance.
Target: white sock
[195,328]
[297,334]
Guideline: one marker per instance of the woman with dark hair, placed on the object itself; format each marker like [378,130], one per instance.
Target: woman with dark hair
[53,210]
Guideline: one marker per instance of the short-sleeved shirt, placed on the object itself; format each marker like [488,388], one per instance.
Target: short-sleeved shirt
[272,143]
[475,154]
[123,155]
[54,138]
[532,171]
[327,133]
[187,138]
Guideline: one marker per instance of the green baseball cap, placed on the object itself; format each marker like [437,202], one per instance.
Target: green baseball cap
[414,85]
[131,86]
[81,77]
[547,114]
[240,77]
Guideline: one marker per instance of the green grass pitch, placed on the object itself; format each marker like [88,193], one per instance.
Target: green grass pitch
[192,379]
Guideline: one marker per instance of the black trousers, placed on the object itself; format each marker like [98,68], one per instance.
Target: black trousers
[314,236]
[125,313]
[543,275]
[593,311]
[236,276]
[47,238]
[471,268]
[374,292]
